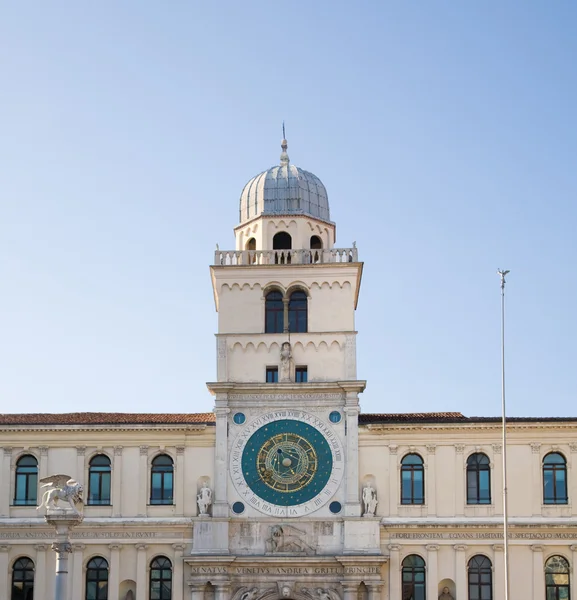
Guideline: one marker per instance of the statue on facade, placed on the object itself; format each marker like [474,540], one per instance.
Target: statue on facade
[446,594]
[321,593]
[285,363]
[370,500]
[204,499]
[287,541]
[250,594]
[61,487]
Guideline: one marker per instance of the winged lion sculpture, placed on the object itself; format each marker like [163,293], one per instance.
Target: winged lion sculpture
[61,487]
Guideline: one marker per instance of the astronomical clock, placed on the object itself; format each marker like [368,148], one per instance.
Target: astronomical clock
[286,464]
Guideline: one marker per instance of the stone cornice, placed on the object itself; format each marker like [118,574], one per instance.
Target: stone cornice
[124,427]
[391,427]
[256,389]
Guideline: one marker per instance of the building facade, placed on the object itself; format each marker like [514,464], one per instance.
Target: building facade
[286,490]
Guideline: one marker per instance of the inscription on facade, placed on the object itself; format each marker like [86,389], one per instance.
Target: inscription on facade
[96,535]
[496,535]
[351,570]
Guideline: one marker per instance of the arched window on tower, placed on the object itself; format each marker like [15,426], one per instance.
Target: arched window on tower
[478,479]
[557,579]
[26,488]
[251,247]
[97,579]
[99,480]
[22,579]
[412,480]
[273,313]
[413,576]
[161,579]
[297,312]
[161,480]
[554,479]
[480,576]
[316,246]
[282,241]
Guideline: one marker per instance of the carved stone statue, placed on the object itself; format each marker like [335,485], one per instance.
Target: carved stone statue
[287,541]
[250,594]
[446,594]
[321,593]
[285,375]
[370,500]
[61,487]
[204,499]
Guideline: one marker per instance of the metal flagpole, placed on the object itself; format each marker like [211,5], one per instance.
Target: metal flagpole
[502,274]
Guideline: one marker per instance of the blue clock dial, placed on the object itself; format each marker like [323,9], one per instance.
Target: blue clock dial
[287,462]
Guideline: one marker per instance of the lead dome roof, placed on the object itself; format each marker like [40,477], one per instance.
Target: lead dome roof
[284,189]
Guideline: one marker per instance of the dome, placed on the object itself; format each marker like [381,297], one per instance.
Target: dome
[284,189]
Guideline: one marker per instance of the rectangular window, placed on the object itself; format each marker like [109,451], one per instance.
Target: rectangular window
[301,375]
[272,374]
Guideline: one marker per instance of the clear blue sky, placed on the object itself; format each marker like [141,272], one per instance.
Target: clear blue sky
[445,133]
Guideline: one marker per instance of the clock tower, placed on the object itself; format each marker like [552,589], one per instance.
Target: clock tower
[286,478]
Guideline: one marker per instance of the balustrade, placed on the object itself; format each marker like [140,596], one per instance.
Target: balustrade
[284,257]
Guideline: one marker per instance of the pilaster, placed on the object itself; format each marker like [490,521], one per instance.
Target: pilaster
[375,590]
[350,590]
[537,497]
[394,572]
[499,572]
[80,466]
[141,587]
[460,475]
[114,571]
[197,591]
[4,591]
[497,479]
[220,503]
[178,571]
[117,482]
[77,570]
[431,482]
[222,590]
[351,410]
[394,480]
[538,572]
[143,481]
[179,474]
[461,571]
[432,571]
[5,489]
[43,466]
[40,563]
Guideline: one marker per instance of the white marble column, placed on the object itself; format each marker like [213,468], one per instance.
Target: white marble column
[460,475]
[497,479]
[394,572]
[141,583]
[537,495]
[178,572]
[461,571]
[114,571]
[220,503]
[431,483]
[350,590]
[117,482]
[222,590]
[40,566]
[432,571]
[143,481]
[394,481]
[77,570]
[499,573]
[196,591]
[4,579]
[179,473]
[5,489]
[538,572]
[351,410]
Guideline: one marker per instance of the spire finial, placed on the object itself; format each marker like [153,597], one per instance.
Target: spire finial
[284,158]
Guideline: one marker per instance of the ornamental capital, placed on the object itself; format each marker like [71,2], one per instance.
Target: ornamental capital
[393,449]
[180,450]
[80,450]
[118,450]
[459,448]
[78,547]
[432,547]
[431,448]
[497,448]
[537,548]
[535,447]
[460,547]
[43,450]
[143,450]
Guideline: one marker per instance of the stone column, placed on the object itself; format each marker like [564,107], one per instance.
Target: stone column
[351,410]
[40,567]
[350,590]
[222,590]
[114,571]
[141,583]
[220,503]
[177,571]
[432,571]
[375,590]
[499,572]
[4,591]
[117,482]
[538,572]
[394,572]
[43,466]
[63,524]
[537,480]
[196,591]
[394,481]
[460,475]
[431,482]
[179,475]
[461,571]
[80,470]
[142,481]
[497,479]
[5,489]
[77,570]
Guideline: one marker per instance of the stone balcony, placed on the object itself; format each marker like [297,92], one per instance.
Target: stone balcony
[285,257]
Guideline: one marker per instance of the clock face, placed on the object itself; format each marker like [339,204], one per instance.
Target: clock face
[287,466]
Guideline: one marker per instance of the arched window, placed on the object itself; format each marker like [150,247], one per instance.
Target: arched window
[478,479]
[412,480]
[557,578]
[22,580]
[161,480]
[97,579]
[480,576]
[274,313]
[413,576]
[554,479]
[297,312]
[316,242]
[282,241]
[99,480]
[26,488]
[251,244]
[161,579]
